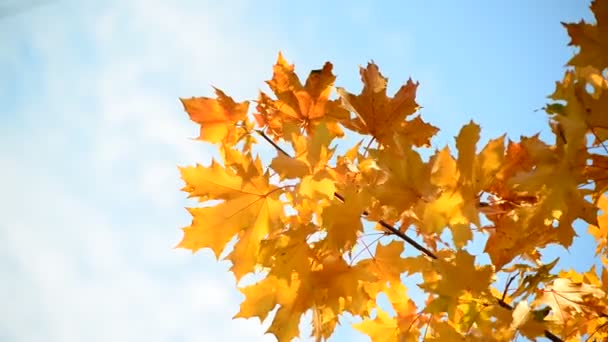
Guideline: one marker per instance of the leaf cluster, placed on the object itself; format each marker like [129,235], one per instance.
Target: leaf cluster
[302,219]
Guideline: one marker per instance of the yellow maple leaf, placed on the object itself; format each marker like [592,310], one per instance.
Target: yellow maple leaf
[342,220]
[291,297]
[444,331]
[583,112]
[512,236]
[312,154]
[516,159]
[477,171]
[415,132]
[382,328]
[341,286]
[331,288]
[556,186]
[444,172]
[288,167]
[403,327]
[472,279]
[404,180]
[466,143]
[541,200]
[288,251]
[489,162]
[388,264]
[217,117]
[250,209]
[459,183]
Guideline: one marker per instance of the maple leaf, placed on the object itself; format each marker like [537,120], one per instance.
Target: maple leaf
[530,282]
[376,113]
[516,159]
[461,266]
[402,327]
[217,117]
[402,178]
[250,209]
[443,331]
[330,288]
[288,251]
[459,183]
[528,321]
[470,316]
[512,236]
[542,201]
[304,105]
[600,231]
[415,132]
[262,297]
[342,220]
[477,171]
[382,328]
[597,172]
[312,154]
[446,209]
[341,286]
[556,186]
[583,112]
[387,263]
[592,39]
[566,297]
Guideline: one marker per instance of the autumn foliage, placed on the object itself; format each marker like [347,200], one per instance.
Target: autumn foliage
[304,219]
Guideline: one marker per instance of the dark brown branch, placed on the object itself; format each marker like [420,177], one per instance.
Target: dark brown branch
[386,226]
[548,334]
[552,337]
[407,239]
[271,142]
[504,293]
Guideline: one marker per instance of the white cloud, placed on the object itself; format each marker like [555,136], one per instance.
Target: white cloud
[72,275]
[90,201]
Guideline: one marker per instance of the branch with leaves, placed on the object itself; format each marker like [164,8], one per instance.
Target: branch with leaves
[296,217]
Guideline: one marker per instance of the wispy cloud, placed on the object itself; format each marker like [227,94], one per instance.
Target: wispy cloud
[90,201]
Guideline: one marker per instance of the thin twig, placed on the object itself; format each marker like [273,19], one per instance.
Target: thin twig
[504,293]
[387,226]
[597,138]
[277,147]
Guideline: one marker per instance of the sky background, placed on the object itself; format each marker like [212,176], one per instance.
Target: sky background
[92,131]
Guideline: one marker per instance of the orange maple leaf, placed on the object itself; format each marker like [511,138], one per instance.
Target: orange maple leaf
[592,39]
[376,113]
[217,117]
[303,105]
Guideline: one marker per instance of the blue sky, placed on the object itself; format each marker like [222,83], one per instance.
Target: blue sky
[91,132]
